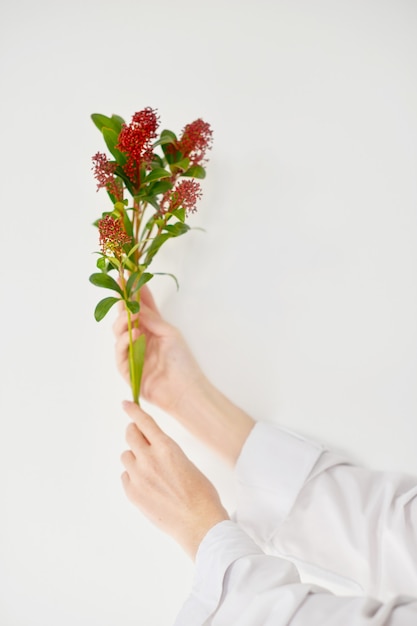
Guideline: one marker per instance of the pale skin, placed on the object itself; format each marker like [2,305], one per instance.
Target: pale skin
[163,483]
[159,479]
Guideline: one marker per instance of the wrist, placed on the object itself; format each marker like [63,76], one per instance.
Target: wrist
[214,419]
[200,529]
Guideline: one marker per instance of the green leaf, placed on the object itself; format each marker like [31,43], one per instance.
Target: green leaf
[130,281]
[196,171]
[101,264]
[157,174]
[102,120]
[168,142]
[177,229]
[115,262]
[157,161]
[137,353]
[118,122]
[180,214]
[129,265]
[160,187]
[103,307]
[127,223]
[146,277]
[121,174]
[153,202]
[168,274]
[163,141]
[136,282]
[155,245]
[133,306]
[133,249]
[182,164]
[111,138]
[167,136]
[106,281]
[119,207]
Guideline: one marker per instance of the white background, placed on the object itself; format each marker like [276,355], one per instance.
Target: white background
[299,301]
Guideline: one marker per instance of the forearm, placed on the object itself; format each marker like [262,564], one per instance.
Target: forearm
[235,583]
[300,501]
[214,419]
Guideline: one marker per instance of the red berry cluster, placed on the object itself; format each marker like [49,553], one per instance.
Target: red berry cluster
[112,236]
[135,140]
[186,194]
[196,139]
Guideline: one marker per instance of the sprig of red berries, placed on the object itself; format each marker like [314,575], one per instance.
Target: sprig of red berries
[151,181]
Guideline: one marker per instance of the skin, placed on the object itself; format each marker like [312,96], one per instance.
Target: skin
[163,483]
[159,479]
[173,381]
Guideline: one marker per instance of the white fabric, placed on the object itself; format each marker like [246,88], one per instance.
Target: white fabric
[314,508]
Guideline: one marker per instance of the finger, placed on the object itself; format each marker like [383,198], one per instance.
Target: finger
[128,486]
[148,300]
[145,423]
[148,318]
[153,322]
[121,325]
[125,478]
[122,346]
[121,353]
[128,459]
[135,439]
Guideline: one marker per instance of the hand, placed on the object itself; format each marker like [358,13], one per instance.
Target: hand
[170,369]
[165,485]
[173,381]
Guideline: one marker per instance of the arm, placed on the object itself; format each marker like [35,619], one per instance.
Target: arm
[296,499]
[312,506]
[235,582]
[173,381]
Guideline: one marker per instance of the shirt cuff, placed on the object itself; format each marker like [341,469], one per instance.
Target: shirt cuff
[271,470]
[222,545]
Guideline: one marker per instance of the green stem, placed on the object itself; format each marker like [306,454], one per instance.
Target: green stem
[129,326]
[145,240]
[138,218]
[131,362]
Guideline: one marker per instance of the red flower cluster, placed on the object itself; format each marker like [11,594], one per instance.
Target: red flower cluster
[103,169]
[186,195]
[135,140]
[104,174]
[196,139]
[112,236]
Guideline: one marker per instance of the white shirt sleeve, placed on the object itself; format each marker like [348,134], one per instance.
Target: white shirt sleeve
[342,522]
[237,584]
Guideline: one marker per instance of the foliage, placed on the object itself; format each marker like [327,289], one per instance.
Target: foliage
[150,205]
